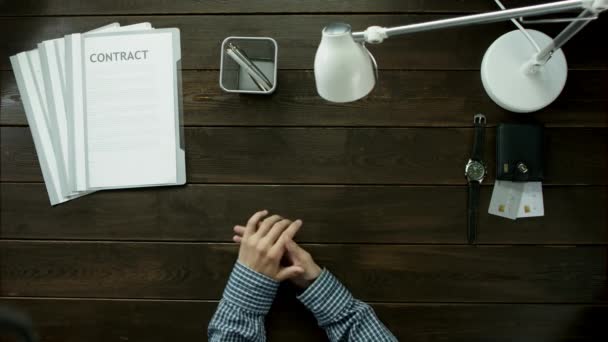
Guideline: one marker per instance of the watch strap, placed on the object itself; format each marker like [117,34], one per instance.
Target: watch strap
[473,210]
[480,122]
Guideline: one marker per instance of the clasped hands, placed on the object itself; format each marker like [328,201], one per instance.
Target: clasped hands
[267,247]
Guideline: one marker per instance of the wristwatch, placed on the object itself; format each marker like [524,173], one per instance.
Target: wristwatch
[475,171]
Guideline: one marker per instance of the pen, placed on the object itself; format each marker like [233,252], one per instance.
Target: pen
[252,70]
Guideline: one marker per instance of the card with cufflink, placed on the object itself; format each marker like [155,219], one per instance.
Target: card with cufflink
[519,171]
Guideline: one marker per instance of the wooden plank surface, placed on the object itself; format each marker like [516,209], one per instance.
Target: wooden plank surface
[402,98]
[77,7]
[387,273]
[332,214]
[342,155]
[459,48]
[378,183]
[77,320]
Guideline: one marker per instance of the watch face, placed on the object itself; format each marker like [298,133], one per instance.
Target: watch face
[475,170]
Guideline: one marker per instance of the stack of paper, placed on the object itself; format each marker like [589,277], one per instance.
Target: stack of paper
[104,110]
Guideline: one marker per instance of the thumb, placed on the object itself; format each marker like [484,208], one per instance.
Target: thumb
[289,272]
[291,246]
[292,251]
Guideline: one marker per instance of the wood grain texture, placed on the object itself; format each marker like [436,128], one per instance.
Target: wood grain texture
[402,98]
[459,48]
[378,183]
[342,155]
[65,320]
[387,273]
[77,7]
[332,214]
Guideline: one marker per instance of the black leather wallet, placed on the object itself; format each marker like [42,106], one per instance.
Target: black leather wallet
[519,152]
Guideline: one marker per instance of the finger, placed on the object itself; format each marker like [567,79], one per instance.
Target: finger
[267,224]
[291,252]
[276,231]
[289,272]
[286,237]
[239,230]
[292,248]
[293,229]
[237,239]
[253,222]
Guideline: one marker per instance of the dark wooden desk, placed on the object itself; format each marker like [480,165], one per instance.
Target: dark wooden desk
[379,184]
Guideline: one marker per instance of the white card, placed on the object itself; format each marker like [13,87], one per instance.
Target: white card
[506,199]
[517,199]
[532,200]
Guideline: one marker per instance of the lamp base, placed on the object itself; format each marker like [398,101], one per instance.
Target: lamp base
[509,85]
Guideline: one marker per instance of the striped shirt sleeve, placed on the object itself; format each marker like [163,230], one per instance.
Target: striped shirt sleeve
[246,301]
[343,317]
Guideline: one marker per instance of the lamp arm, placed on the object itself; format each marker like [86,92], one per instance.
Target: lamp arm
[572,29]
[376,34]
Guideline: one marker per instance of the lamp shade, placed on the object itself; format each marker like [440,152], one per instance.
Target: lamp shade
[344,71]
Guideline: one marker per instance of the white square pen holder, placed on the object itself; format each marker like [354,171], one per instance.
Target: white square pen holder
[249,65]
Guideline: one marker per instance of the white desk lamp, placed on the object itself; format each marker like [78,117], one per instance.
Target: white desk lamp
[516,73]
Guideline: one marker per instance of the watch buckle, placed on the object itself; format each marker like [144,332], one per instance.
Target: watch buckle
[479,119]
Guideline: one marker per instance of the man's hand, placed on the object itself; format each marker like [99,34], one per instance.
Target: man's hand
[295,255]
[264,242]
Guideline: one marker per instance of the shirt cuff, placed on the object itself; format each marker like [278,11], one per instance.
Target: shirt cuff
[326,298]
[250,290]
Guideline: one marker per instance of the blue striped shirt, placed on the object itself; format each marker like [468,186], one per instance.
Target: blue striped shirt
[249,295]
